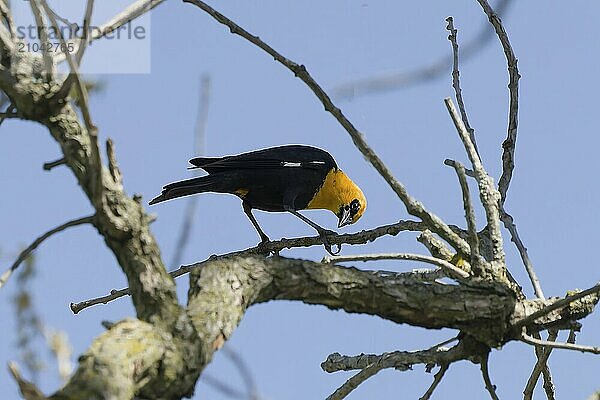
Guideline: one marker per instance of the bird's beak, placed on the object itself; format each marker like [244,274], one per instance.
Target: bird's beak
[345,218]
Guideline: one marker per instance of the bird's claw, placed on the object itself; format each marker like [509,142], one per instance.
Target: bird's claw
[263,246]
[323,235]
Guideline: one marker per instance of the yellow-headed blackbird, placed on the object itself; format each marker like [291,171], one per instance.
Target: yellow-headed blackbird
[285,178]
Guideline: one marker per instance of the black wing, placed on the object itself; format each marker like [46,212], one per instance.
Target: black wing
[291,156]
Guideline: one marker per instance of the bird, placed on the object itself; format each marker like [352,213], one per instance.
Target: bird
[285,178]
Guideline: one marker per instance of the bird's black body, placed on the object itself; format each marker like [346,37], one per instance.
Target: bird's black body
[275,179]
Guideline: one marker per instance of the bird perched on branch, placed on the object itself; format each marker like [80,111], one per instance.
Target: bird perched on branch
[277,179]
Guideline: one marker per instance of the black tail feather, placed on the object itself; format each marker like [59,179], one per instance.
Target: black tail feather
[185,188]
[200,162]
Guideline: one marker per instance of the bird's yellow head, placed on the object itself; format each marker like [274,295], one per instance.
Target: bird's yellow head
[341,196]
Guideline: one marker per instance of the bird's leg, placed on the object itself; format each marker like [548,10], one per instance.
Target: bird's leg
[248,211]
[323,233]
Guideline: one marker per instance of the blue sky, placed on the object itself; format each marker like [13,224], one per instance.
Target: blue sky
[257,103]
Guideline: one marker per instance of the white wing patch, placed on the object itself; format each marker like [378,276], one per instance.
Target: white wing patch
[299,164]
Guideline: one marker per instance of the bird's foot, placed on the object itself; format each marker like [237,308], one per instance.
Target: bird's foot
[323,234]
[263,247]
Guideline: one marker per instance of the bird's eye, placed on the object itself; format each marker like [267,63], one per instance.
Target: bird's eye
[355,206]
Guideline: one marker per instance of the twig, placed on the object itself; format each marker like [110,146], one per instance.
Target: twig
[487,192]
[221,386]
[74,70]
[556,305]
[413,206]
[541,366]
[87,18]
[355,381]
[486,377]
[469,215]
[508,164]
[43,32]
[508,156]
[34,245]
[436,381]
[113,166]
[452,163]
[135,10]
[52,164]
[28,390]
[401,80]
[9,113]
[400,360]
[509,224]
[559,345]
[272,247]
[244,371]
[7,16]
[449,268]
[199,147]
[456,80]
[436,247]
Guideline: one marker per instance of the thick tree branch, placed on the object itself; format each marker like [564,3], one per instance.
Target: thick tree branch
[272,247]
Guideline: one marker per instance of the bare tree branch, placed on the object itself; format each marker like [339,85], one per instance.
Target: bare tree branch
[564,302]
[446,266]
[271,247]
[402,80]
[469,216]
[413,206]
[87,18]
[135,10]
[199,150]
[487,192]
[28,390]
[508,156]
[53,164]
[83,101]
[491,388]
[370,364]
[436,247]
[8,19]
[559,345]
[456,80]
[541,365]
[436,381]
[34,245]
[509,224]
[356,380]
[43,32]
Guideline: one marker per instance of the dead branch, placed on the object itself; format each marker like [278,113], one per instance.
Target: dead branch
[38,241]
